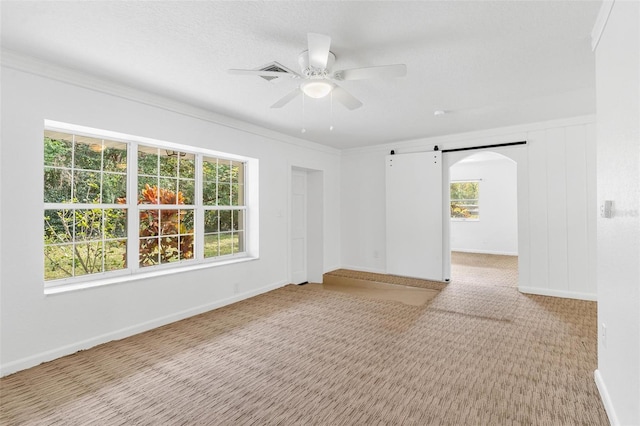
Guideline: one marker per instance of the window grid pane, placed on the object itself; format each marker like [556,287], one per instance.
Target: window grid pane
[166,235]
[224,232]
[84,241]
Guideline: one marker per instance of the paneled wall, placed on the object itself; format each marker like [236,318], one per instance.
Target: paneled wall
[562,210]
[556,202]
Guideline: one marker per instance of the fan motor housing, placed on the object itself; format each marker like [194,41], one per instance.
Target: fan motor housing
[308,71]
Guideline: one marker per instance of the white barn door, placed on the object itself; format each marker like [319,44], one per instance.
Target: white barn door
[414,215]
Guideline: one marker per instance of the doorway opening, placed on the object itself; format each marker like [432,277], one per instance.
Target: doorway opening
[484,220]
[306,226]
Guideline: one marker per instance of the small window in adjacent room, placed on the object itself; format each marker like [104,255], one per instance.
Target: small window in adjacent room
[464,200]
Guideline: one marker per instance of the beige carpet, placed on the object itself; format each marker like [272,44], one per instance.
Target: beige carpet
[301,355]
[484,269]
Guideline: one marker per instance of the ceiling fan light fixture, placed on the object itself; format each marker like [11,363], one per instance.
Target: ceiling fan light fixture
[316,88]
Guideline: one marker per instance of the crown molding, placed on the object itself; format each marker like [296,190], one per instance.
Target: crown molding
[455,139]
[18,61]
[601,23]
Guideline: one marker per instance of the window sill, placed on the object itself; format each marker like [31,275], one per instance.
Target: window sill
[458,219]
[65,288]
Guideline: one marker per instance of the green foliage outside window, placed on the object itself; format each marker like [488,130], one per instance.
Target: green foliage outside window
[464,200]
[81,171]
[223,186]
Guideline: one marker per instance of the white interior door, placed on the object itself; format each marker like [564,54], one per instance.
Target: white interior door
[298,227]
[414,215]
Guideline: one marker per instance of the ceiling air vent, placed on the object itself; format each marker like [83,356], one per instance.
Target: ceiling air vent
[275,67]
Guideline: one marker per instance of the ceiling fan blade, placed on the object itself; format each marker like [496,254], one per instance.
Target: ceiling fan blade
[319,45]
[264,73]
[383,71]
[287,98]
[345,98]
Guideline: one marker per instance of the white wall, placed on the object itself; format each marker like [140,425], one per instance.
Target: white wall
[497,230]
[618,118]
[556,182]
[37,327]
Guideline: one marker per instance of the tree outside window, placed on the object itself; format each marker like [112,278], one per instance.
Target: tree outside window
[85,230]
[464,200]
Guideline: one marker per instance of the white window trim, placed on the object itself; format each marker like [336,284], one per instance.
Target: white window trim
[134,271]
[129,277]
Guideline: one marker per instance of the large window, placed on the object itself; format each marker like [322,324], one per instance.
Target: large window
[116,206]
[465,197]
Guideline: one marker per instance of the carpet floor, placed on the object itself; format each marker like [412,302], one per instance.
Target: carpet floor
[301,355]
[484,269]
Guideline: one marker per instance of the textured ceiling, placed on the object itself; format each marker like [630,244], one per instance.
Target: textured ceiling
[488,64]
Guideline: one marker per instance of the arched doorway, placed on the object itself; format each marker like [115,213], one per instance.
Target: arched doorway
[483,219]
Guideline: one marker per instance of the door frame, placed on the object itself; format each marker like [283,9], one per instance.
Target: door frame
[517,154]
[314,223]
[298,215]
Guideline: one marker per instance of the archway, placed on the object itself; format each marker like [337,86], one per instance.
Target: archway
[482,209]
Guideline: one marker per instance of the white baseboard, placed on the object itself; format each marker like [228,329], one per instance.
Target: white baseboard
[559,293]
[497,252]
[606,399]
[33,360]
[331,268]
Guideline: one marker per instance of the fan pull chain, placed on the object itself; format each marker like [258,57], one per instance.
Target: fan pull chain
[304,130]
[331,111]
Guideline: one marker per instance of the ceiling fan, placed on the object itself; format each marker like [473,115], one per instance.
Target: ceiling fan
[318,79]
